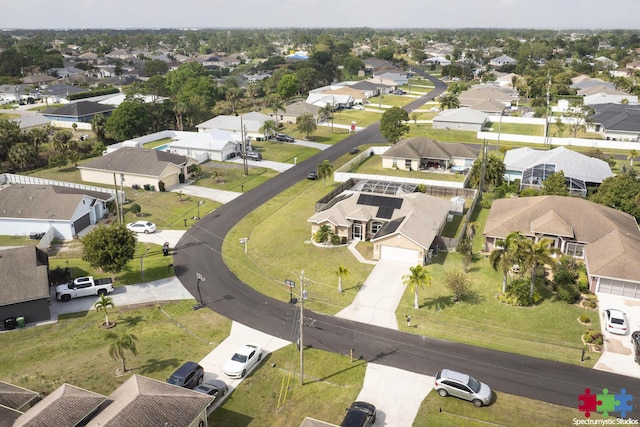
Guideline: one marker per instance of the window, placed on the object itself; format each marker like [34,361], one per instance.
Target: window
[375,226]
[575,250]
[395,163]
[407,164]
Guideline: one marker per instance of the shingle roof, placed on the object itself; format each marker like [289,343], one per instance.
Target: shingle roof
[66,406]
[133,160]
[252,121]
[612,237]
[145,402]
[422,146]
[617,117]
[24,275]
[50,202]
[462,115]
[15,397]
[300,107]
[78,109]
[572,163]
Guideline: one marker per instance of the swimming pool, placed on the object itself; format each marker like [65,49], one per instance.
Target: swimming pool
[164,147]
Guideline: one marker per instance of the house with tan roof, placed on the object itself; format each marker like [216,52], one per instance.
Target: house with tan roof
[298,108]
[137,167]
[608,240]
[484,92]
[422,153]
[402,226]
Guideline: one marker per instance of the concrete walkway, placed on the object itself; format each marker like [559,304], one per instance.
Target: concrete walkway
[220,196]
[378,299]
[276,166]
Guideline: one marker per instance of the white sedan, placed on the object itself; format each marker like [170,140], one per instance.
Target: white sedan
[248,356]
[615,321]
[142,227]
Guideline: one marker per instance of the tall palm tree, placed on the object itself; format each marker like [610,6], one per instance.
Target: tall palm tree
[232,94]
[275,103]
[505,256]
[325,170]
[102,305]
[632,156]
[341,272]
[269,127]
[535,254]
[419,278]
[119,345]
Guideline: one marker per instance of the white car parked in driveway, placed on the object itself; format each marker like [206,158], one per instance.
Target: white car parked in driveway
[247,356]
[142,227]
[616,323]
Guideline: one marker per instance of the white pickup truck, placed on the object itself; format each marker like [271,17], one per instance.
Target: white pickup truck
[84,286]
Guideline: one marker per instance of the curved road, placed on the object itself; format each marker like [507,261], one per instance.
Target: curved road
[200,251]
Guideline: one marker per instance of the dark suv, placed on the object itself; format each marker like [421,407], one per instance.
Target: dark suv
[361,414]
[282,137]
[188,375]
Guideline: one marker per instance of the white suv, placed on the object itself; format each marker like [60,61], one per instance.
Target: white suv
[463,386]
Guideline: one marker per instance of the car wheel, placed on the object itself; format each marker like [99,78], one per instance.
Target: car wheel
[442,392]
[243,373]
[146,231]
[102,292]
[65,298]
[260,357]
[477,403]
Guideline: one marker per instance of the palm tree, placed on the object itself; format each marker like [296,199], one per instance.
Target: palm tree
[326,113]
[232,94]
[535,254]
[323,233]
[471,229]
[505,256]
[325,170]
[632,156]
[419,278]
[119,344]
[341,272]
[269,127]
[274,103]
[103,303]
[448,101]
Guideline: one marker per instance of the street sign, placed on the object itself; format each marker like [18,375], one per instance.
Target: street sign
[290,283]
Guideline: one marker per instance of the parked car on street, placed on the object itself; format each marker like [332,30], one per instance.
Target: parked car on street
[215,388]
[189,375]
[360,414]
[247,357]
[616,323]
[463,386]
[283,137]
[142,227]
[313,175]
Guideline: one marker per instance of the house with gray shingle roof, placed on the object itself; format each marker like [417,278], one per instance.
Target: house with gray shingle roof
[484,92]
[532,167]
[66,406]
[59,210]
[422,153]
[81,111]
[502,60]
[137,167]
[617,122]
[402,226]
[18,398]
[24,289]
[607,239]
[465,118]
[298,108]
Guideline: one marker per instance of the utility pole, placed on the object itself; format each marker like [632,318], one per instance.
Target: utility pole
[483,167]
[118,208]
[301,328]
[244,148]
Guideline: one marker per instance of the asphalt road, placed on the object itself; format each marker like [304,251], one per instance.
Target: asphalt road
[199,251]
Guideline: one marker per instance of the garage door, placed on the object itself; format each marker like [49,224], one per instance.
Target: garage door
[619,287]
[399,254]
[82,223]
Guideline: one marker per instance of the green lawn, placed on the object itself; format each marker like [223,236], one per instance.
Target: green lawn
[517,128]
[230,176]
[283,152]
[74,350]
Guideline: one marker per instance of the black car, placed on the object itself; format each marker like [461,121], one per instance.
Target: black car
[354,150]
[283,137]
[189,375]
[361,414]
[312,175]
[215,388]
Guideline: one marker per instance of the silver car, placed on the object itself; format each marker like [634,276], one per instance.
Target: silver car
[461,385]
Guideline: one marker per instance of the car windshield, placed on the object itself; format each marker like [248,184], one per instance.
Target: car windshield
[617,321]
[174,381]
[474,384]
[239,358]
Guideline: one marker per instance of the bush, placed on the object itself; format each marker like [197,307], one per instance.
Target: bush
[161,186]
[487,200]
[568,293]
[529,192]
[584,318]
[583,281]
[135,208]
[593,337]
[335,240]
[517,293]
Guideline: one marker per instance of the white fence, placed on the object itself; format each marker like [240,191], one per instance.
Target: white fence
[10,178]
[555,141]
[69,125]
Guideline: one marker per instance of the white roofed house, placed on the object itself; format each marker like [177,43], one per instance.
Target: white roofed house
[464,118]
[250,123]
[532,167]
[216,144]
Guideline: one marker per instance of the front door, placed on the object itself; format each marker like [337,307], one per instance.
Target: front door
[356,231]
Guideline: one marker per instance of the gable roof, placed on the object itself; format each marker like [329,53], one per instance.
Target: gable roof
[462,115]
[617,117]
[572,163]
[487,91]
[213,140]
[138,161]
[15,397]
[299,108]
[145,402]
[78,109]
[51,202]
[611,236]
[424,147]
[24,273]
[67,405]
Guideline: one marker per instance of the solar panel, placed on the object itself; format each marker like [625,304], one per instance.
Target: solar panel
[389,228]
[379,201]
[385,212]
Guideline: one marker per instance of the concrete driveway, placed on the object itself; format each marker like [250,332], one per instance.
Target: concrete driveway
[618,354]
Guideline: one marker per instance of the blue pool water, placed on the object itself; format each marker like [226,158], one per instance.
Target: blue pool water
[164,147]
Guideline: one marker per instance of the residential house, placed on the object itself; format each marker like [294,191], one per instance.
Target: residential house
[30,122]
[298,108]
[24,289]
[617,122]
[465,118]
[608,96]
[438,61]
[402,226]
[321,99]
[249,124]
[38,79]
[607,239]
[481,93]
[27,209]
[14,401]
[80,112]
[502,60]
[368,87]
[421,153]
[533,167]
[66,406]
[359,96]
[216,144]
[137,167]
[376,66]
